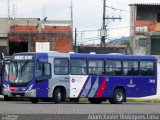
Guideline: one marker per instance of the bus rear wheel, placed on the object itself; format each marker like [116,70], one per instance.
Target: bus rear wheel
[34,100]
[118,96]
[95,100]
[57,95]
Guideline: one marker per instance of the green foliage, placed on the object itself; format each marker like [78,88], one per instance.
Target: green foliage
[126,43]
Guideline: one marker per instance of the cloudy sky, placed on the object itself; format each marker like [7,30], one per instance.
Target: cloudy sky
[87,14]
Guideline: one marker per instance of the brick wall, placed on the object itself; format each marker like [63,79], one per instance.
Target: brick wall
[60,37]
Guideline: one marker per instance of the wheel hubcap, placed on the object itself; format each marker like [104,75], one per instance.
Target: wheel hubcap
[59,96]
[119,96]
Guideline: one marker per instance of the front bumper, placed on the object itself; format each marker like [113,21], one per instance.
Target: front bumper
[27,94]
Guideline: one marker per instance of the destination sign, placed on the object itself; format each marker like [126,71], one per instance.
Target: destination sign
[23,57]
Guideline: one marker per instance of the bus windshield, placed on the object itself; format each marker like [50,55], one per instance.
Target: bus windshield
[21,72]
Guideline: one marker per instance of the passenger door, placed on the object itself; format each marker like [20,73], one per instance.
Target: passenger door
[43,74]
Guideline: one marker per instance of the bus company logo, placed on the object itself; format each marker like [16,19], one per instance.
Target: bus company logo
[131,84]
[73,80]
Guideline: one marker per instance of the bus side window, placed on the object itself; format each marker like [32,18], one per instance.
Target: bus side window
[61,66]
[78,66]
[43,71]
[130,68]
[113,67]
[96,67]
[147,68]
[39,70]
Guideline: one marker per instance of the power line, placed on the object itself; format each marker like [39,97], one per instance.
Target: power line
[121,10]
[94,30]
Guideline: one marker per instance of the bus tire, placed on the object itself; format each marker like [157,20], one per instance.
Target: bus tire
[6,98]
[118,96]
[57,96]
[34,100]
[63,91]
[95,100]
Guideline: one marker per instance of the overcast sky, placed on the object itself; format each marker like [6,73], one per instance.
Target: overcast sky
[87,14]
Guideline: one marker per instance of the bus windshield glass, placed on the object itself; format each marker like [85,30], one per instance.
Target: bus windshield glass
[21,72]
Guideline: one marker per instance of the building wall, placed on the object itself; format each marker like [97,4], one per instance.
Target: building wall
[143,22]
[3,42]
[104,50]
[5,25]
[59,37]
[35,25]
[133,14]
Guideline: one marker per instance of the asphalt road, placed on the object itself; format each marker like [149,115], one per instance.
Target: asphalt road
[26,107]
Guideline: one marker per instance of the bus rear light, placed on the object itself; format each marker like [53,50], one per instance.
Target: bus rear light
[12,89]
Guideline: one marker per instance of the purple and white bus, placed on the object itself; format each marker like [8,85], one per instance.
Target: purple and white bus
[98,77]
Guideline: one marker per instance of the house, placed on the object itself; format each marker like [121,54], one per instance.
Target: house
[145,29]
[33,34]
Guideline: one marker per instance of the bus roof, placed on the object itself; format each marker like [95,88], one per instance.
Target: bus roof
[112,56]
[96,56]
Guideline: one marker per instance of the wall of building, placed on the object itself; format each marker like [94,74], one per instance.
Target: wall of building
[5,24]
[133,14]
[59,37]
[31,27]
[143,23]
[104,50]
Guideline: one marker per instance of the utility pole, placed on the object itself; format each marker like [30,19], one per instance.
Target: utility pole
[104,30]
[74,48]
[75,41]
[8,4]
[44,11]
[103,37]
[71,14]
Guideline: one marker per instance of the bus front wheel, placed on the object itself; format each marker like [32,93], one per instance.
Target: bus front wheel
[57,95]
[34,100]
[118,96]
[6,98]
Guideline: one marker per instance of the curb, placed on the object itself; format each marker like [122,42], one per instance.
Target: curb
[1,98]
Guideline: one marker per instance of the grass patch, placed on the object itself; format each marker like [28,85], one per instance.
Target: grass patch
[83,99]
[130,100]
[144,100]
